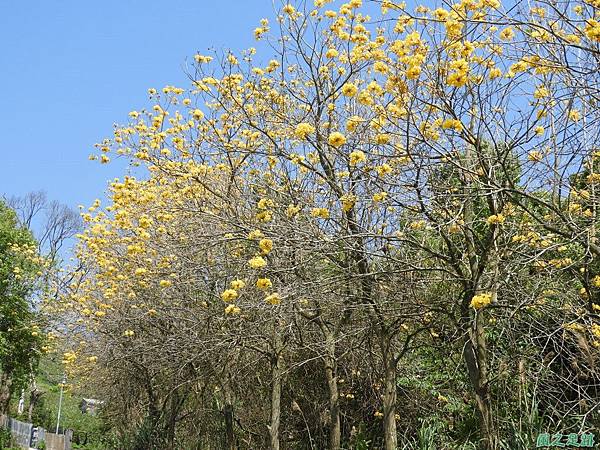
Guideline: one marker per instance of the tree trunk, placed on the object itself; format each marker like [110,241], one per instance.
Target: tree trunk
[276,373]
[34,397]
[5,392]
[230,443]
[171,423]
[389,404]
[475,355]
[487,423]
[154,433]
[334,396]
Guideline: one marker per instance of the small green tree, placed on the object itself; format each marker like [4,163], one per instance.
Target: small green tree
[20,337]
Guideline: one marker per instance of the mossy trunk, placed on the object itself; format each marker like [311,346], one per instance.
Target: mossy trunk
[277,382]
[335,431]
[389,404]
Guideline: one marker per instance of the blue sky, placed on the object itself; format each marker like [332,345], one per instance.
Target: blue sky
[71,69]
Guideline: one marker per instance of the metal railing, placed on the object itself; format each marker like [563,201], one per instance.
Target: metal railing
[26,435]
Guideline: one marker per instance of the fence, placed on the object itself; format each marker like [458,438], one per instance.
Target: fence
[28,436]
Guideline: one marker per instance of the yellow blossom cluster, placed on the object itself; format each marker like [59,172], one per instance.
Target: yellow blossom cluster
[481,300]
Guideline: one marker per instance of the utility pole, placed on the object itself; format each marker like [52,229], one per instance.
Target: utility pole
[62,386]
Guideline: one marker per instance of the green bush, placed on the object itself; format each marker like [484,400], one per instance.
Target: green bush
[5,438]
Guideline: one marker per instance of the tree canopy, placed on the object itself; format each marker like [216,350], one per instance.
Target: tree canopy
[20,334]
[383,234]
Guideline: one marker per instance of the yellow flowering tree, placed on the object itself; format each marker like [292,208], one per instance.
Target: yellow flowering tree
[377,179]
